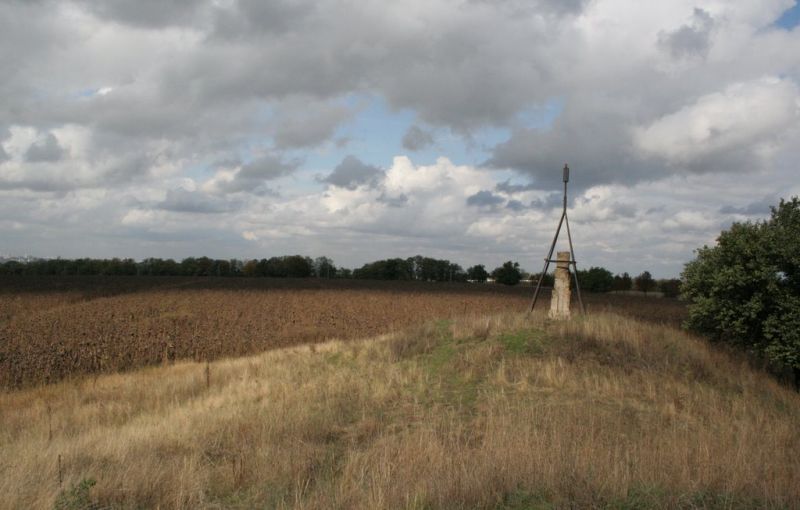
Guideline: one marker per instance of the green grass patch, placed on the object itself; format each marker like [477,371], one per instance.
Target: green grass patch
[531,342]
[657,498]
[643,497]
[441,356]
[525,500]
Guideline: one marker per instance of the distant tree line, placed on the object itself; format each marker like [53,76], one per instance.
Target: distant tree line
[412,268]
[418,268]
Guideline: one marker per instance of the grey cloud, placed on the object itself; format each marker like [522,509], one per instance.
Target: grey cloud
[417,138]
[267,168]
[308,126]
[37,185]
[46,149]
[147,13]
[107,172]
[181,200]
[507,187]
[527,7]
[227,162]
[4,133]
[623,210]
[126,168]
[255,17]
[484,198]
[759,208]
[692,39]
[393,201]
[331,49]
[550,201]
[211,93]
[28,31]
[252,177]
[596,147]
[352,172]
[515,205]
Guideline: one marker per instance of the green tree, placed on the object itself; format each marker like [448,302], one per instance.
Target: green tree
[623,282]
[746,289]
[250,268]
[548,281]
[645,282]
[478,273]
[508,274]
[670,287]
[324,267]
[596,279]
[298,266]
[389,269]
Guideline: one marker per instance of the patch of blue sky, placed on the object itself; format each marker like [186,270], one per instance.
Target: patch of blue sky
[375,136]
[86,92]
[198,172]
[92,92]
[541,116]
[790,17]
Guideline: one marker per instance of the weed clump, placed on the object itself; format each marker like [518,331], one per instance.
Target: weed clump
[78,496]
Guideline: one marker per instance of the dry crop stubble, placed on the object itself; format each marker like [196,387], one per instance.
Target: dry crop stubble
[88,325]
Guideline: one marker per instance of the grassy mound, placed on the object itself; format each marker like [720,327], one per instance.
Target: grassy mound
[499,412]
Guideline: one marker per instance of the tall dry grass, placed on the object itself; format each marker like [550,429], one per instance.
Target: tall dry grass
[491,412]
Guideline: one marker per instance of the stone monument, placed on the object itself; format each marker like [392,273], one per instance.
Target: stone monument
[559,302]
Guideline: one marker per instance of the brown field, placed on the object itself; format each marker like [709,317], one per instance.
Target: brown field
[505,412]
[52,328]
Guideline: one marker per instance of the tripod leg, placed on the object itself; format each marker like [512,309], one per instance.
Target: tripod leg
[538,286]
[575,266]
[547,262]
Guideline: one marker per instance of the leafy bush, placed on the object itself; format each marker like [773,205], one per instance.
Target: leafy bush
[746,289]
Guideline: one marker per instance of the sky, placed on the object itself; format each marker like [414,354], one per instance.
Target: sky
[363,130]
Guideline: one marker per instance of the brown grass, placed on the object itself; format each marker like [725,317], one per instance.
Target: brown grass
[501,411]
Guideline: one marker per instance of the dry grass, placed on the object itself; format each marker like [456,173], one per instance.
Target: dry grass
[53,328]
[501,411]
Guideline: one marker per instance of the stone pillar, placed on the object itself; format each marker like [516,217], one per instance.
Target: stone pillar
[559,302]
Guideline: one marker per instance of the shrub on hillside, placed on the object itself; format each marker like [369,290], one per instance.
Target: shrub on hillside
[746,289]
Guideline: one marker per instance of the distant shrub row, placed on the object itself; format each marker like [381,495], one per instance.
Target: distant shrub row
[420,268]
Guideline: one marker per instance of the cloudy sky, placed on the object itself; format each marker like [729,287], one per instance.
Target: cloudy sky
[364,129]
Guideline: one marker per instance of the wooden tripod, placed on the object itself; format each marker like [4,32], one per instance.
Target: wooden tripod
[564,220]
